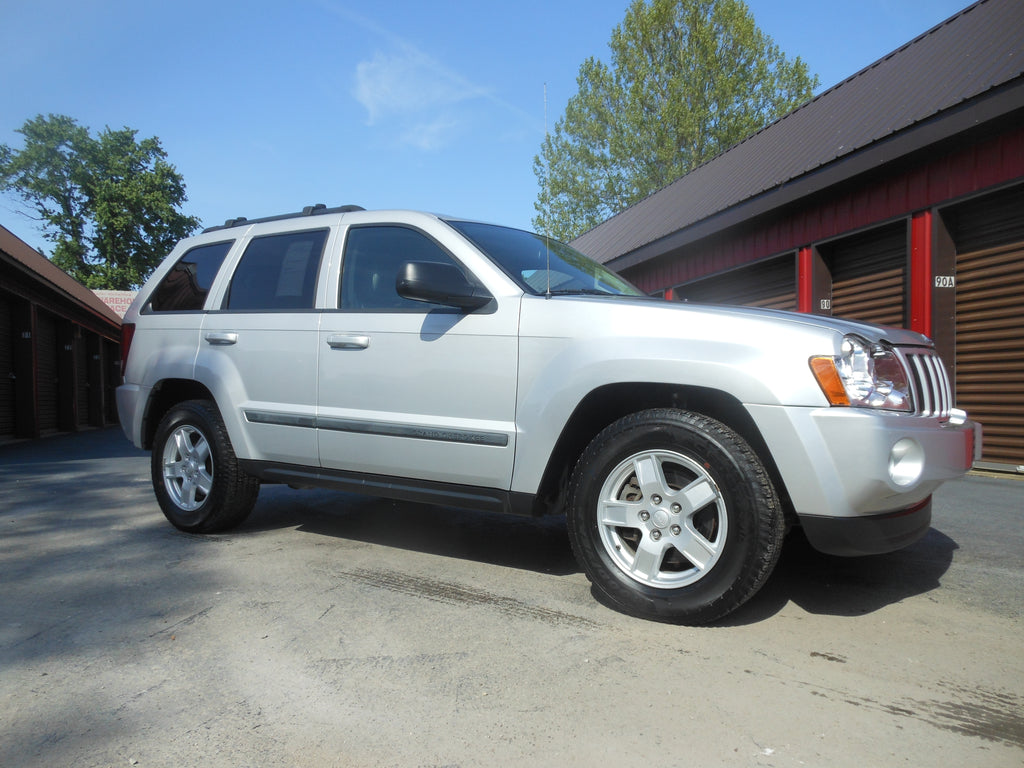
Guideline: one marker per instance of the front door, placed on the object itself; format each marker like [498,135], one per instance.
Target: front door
[409,389]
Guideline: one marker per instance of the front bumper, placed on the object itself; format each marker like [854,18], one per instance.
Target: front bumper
[861,481]
[869,534]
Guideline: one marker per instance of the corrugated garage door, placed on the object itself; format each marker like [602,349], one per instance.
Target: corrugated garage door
[989,236]
[46,372]
[869,275]
[81,381]
[990,347]
[6,370]
[111,377]
[770,284]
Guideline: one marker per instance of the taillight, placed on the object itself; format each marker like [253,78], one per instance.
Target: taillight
[127,334]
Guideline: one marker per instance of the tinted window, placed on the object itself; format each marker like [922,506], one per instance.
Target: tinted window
[278,272]
[373,258]
[186,285]
[542,265]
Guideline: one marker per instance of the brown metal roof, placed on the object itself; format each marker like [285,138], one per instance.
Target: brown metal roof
[975,52]
[48,272]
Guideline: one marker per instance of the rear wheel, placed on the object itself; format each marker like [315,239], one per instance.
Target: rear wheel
[196,477]
[673,517]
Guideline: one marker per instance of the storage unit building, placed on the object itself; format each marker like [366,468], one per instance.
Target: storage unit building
[897,196]
[59,348]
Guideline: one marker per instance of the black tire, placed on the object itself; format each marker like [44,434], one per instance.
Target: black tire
[673,517]
[198,483]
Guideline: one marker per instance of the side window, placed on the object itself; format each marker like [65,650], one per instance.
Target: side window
[185,287]
[278,272]
[373,257]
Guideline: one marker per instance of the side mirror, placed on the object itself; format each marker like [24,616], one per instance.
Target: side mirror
[438,283]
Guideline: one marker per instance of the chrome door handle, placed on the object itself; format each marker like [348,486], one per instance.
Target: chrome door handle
[221,339]
[348,341]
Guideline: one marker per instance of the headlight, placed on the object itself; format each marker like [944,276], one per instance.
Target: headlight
[864,375]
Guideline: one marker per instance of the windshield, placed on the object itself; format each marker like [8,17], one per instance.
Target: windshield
[541,265]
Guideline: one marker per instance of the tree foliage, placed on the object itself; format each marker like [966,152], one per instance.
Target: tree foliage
[109,203]
[687,80]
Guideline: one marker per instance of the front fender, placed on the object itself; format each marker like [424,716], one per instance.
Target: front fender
[556,374]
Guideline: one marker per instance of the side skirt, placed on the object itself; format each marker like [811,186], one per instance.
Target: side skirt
[399,488]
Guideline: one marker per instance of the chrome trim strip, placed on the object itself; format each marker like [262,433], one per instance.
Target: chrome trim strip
[415,431]
[381,428]
[280,419]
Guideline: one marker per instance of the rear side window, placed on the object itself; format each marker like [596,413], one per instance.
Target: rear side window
[278,272]
[184,288]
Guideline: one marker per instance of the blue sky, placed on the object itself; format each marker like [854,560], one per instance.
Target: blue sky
[265,107]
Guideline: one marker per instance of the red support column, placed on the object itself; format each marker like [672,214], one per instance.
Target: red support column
[921,272]
[805,280]
[669,295]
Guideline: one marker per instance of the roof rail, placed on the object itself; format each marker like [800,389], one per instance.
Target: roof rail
[309,210]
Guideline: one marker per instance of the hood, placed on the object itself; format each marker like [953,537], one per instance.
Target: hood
[868,331]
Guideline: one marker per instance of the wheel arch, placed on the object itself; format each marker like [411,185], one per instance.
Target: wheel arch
[165,395]
[609,403]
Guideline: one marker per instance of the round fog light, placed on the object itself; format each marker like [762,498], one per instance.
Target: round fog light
[906,462]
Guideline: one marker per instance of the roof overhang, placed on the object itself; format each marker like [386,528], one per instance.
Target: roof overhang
[993,109]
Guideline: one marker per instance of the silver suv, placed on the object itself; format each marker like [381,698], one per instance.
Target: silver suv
[434,359]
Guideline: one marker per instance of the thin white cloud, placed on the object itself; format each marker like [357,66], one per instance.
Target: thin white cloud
[431,136]
[409,83]
[414,96]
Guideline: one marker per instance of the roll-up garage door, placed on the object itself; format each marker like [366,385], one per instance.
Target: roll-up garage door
[770,283]
[869,275]
[46,372]
[989,237]
[81,381]
[111,377]
[6,370]
[990,348]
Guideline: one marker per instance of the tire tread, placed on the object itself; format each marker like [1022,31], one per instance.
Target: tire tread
[757,490]
[234,493]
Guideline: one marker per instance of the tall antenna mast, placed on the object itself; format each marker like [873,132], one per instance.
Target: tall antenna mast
[547,196]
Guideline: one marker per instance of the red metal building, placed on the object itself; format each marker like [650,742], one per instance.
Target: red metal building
[59,348]
[896,196]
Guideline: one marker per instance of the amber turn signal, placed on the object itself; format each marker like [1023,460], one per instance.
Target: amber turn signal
[824,369]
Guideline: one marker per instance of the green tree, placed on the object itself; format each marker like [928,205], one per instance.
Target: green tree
[109,203]
[687,80]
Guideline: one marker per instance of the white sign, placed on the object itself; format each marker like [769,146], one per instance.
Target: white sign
[119,301]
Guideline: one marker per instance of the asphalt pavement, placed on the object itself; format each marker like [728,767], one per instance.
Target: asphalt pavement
[339,630]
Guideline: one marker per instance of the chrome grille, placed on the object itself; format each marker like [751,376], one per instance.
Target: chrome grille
[932,393]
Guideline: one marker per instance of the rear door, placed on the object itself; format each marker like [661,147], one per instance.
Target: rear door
[258,350]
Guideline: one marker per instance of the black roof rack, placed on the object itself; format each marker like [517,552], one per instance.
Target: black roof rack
[309,210]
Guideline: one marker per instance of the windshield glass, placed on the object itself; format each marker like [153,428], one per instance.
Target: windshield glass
[541,265]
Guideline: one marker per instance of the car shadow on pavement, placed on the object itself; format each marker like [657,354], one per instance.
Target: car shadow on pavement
[818,583]
[533,544]
[827,585]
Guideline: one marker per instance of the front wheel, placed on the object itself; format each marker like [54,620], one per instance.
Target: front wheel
[196,477]
[673,517]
